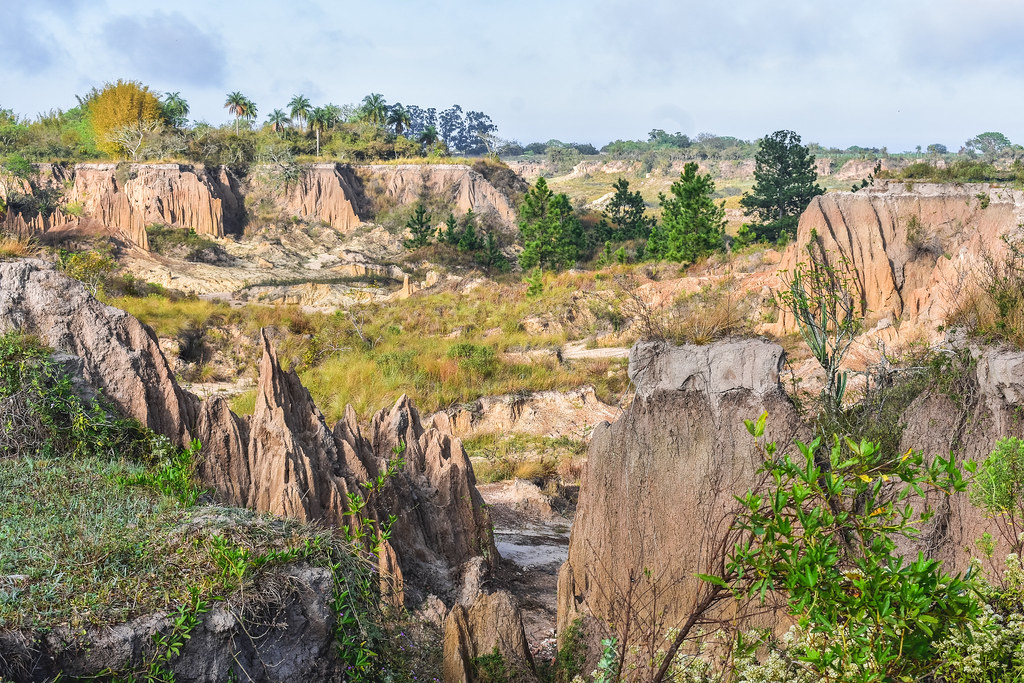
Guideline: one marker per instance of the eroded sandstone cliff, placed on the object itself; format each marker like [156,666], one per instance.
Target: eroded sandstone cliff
[123,199]
[911,248]
[659,479]
[284,459]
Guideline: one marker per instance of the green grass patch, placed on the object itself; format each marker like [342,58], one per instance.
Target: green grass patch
[440,349]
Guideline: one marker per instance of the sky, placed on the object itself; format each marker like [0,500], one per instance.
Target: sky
[893,73]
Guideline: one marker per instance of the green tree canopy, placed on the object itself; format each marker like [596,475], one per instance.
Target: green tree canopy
[118,105]
[552,234]
[300,109]
[176,109]
[278,120]
[421,230]
[692,225]
[374,109]
[241,107]
[785,182]
[627,214]
[398,119]
[989,145]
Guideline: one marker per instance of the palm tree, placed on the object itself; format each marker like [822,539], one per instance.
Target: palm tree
[278,120]
[300,109]
[239,105]
[176,109]
[319,120]
[250,110]
[429,136]
[375,109]
[333,115]
[398,116]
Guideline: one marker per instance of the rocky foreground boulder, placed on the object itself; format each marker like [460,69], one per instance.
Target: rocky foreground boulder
[293,641]
[659,485]
[284,459]
[661,479]
[120,356]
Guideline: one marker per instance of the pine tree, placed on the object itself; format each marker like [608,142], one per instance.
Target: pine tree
[420,229]
[490,256]
[784,184]
[627,214]
[450,233]
[468,240]
[552,233]
[692,225]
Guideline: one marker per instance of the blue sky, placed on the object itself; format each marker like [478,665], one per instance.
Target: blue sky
[897,73]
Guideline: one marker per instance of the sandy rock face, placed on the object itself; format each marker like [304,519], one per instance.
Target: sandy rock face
[284,459]
[911,248]
[326,192]
[124,202]
[985,407]
[119,354]
[122,199]
[659,480]
[296,466]
[542,413]
[469,189]
[492,622]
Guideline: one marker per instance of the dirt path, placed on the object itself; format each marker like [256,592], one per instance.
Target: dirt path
[532,537]
[579,351]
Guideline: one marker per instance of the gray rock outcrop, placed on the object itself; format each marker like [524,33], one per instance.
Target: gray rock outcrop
[120,356]
[292,643]
[659,480]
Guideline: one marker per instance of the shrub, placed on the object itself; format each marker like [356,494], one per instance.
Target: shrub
[999,489]
[990,301]
[91,268]
[479,359]
[823,531]
[184,243]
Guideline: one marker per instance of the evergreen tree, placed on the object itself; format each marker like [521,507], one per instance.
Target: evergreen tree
[692,225]
[490,256]
[552,234]
[450,233]
[656,242]
[627,214]
[420,229]
[468,240]
[784,184]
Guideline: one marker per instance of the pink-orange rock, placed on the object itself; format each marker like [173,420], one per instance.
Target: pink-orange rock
[283,459]
[911,249]
[326,192]
[492,623]
[405,184]
[125,202]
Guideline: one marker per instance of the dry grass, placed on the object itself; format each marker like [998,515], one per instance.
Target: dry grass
[988,302]
[497,457]
[11,248]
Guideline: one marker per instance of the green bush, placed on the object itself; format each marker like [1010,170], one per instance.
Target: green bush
[42,415]
[91,268]
[823,533]
[476,358]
